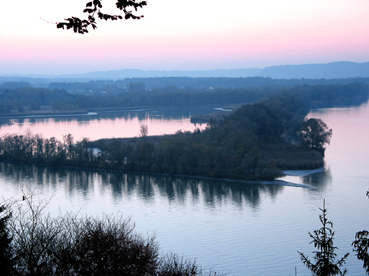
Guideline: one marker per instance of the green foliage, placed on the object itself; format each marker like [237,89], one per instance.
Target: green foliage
[326,264]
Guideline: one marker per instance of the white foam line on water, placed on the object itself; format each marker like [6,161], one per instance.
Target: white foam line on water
[302,172]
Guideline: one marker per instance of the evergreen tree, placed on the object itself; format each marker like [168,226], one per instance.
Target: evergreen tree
[326,264]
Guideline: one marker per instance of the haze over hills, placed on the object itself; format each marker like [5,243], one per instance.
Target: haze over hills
[334,70]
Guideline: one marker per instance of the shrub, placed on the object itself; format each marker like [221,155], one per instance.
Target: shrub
[73,245]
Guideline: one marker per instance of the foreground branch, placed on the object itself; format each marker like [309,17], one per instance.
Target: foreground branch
[94,11]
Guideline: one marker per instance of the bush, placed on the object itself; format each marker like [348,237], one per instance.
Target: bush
[73,245]
[91,246]
[173,265]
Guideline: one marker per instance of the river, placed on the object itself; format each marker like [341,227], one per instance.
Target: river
[235,228]
[106,124]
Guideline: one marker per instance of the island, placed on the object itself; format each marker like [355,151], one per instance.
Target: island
[255,142]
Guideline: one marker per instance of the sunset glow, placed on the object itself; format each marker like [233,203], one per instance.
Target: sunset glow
[184,35]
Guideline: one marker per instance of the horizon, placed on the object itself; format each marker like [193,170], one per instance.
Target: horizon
[33,75]
[184,36]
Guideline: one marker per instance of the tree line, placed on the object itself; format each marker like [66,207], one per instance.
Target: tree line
[30,98]
[201,83]
[228,148]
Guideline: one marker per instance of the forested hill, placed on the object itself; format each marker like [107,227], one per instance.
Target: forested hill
[160,83]
[88,86]
[241,146]
[37,99]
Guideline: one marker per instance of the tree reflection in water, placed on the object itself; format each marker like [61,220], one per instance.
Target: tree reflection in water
[175,189]
[318,180]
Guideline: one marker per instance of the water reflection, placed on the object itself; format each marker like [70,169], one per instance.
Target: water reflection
[6,122]
[197,217]
[85,184]
[318,180]
[128,114]
[107,124]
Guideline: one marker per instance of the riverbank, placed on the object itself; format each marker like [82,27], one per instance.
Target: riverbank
[49,111]
[283,155]
[290,157]
[246,145]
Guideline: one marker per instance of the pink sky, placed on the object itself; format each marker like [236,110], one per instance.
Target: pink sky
[184,35]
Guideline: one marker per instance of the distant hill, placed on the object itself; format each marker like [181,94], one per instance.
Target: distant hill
[135,73]
[333,70]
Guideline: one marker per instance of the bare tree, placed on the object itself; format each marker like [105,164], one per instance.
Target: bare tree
[144,130]
[34,233]
[6,261]
[74,245]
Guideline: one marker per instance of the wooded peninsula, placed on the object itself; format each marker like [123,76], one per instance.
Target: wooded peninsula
[255,142]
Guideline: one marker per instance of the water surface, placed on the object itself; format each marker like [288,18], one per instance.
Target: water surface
[237,228]
[106,124]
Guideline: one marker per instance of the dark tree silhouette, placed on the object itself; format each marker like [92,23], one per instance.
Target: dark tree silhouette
[144,130]
[315,134]
[326,264]
[94,9]
[5,240]
[361,246]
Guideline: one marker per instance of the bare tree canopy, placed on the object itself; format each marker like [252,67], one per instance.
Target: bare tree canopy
[94,11]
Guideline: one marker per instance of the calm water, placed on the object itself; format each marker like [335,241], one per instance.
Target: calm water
[106,124]
[240,229]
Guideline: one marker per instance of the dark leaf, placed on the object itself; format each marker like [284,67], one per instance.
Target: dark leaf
[60,26]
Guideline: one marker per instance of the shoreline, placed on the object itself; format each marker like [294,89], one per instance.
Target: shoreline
[262,182]
[302,172]
[81,112]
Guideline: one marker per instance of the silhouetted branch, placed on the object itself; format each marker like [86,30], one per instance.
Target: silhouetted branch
[94,8]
